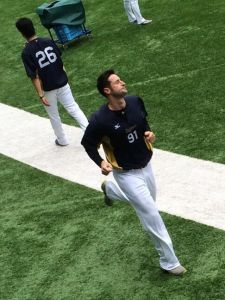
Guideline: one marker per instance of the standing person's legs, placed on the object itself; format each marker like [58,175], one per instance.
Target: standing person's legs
[129,11]
[66,98]
[55,120]
[133,184]
[133,11]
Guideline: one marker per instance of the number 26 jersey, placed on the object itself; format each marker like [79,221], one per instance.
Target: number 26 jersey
[42,57]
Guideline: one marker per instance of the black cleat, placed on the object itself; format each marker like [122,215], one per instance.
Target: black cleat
[58,144]
[107,201]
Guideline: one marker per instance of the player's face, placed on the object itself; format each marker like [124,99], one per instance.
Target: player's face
[117,86]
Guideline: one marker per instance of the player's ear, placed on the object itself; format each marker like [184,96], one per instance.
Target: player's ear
[107,90]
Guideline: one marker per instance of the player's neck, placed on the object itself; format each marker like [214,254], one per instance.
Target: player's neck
[34,37]
[116,104]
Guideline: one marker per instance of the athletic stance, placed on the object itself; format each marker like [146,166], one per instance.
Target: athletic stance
[42,61]
[122,128]
[133,12]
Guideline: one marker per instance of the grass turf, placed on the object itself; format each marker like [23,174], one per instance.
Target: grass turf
[58,241]
[175,64]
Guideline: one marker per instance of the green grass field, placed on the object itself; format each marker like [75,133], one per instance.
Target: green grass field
[58,241]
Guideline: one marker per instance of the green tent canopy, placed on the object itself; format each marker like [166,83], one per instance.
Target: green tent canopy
[66,12]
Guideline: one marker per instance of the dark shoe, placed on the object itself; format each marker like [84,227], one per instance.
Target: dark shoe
[107,201]
[58,144]
[178,271]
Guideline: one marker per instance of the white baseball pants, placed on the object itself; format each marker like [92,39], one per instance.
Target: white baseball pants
[65,97]
[133,11]
[138,188]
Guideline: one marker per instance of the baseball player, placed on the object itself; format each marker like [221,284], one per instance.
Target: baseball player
[42,61]
[121,126]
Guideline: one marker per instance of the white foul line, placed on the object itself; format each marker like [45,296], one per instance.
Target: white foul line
[191,188]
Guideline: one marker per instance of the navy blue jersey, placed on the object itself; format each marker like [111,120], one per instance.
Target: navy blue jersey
[122,135]
[42,57]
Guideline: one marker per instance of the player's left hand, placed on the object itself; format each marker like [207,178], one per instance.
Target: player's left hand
[150,136]
[44,100]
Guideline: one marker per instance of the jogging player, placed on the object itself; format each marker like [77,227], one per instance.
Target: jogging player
[121,126]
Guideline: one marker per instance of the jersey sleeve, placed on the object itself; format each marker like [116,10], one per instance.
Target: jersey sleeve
[29,65]
[92,139]
[145,114]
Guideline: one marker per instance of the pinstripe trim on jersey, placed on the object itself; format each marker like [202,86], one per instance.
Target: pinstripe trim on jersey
[108,149]
[149,145]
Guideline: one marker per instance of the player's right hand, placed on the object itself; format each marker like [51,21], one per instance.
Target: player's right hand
[106,167]
[45,101]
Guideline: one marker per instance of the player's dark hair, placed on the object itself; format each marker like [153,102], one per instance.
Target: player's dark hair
[26,27]
[103,82]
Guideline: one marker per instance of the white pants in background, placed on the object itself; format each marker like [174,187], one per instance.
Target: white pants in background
[138,188]
[65,97]
[133,11]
